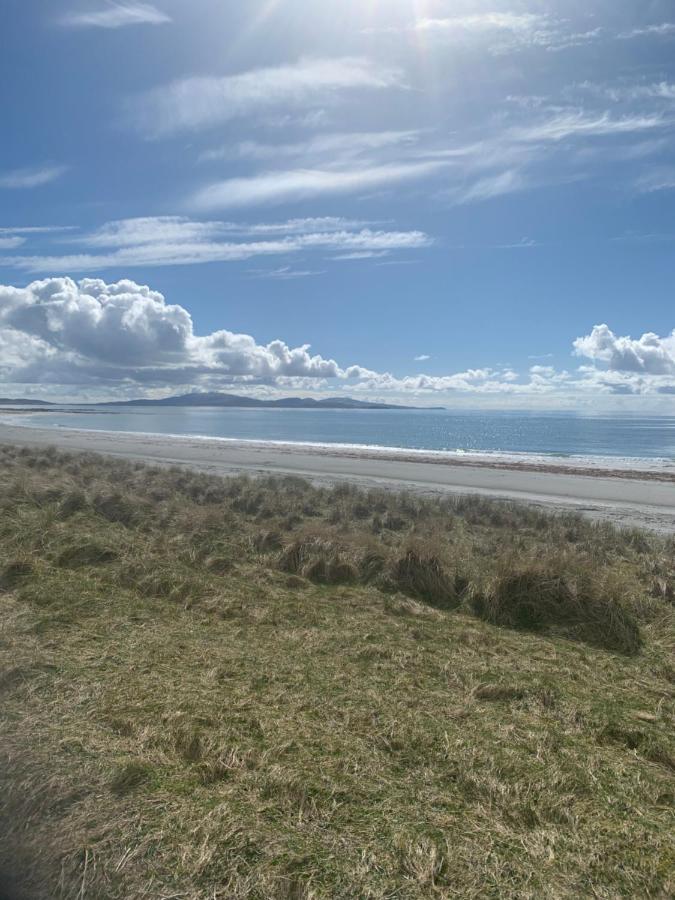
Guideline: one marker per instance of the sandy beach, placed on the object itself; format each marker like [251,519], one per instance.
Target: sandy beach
[629,499]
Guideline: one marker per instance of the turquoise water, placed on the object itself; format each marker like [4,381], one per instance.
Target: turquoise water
[542,434]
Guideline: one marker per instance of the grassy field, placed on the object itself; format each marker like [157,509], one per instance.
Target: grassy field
[261,689]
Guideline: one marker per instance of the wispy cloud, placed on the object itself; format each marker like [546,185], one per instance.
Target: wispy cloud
[37,229]
[11,238]
[502,32]
[579,123]
[491,186]
[11,243]
[171,241]
[180,229]
[661,90]
[284,273]
[482,22]
[664,29]
[658,179]
[270,188]
[116,15]
[20,179]
[522,244]
[310,225]
[362,254]
[346,145]
[423,357]
[200,102]
[518,157]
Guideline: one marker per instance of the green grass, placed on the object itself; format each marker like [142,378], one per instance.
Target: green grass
[261,689]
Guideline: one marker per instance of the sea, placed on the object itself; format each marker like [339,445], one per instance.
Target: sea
[619,441]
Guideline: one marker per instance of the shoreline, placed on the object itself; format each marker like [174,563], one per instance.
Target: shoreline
[626,498]
[643,468]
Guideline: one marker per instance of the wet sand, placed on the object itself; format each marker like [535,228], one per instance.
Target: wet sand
[629,499]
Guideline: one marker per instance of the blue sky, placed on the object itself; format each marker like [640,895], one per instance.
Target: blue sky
[428,201]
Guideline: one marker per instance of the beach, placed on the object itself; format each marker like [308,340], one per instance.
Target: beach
[640,499]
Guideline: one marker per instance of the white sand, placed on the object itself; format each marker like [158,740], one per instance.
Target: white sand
[628,499]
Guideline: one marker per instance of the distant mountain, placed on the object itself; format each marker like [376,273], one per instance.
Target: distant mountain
[5,400]
[232,400]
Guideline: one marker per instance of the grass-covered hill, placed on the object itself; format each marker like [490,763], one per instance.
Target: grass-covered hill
[261,689]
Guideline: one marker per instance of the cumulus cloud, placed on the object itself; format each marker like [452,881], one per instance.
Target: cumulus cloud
[116,15]
[92,333]
[20,179]
[200,102]
[89,331]
[126,337]
[649,354]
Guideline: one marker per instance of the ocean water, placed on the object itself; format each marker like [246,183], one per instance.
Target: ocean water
[551,435]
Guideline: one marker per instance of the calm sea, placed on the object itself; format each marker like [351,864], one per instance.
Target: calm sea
[540,434]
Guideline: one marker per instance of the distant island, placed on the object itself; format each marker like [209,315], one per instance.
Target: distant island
[24,402]
[217,399]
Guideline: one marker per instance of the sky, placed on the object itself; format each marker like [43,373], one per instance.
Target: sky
[467,203]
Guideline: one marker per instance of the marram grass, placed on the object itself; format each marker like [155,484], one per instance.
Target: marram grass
[261,689]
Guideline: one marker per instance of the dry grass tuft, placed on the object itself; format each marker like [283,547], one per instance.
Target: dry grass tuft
[425,578]
[86,554]
[129,777]
[535,599]
[15,573]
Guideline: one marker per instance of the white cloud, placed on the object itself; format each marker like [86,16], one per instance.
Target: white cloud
[522,244]
[309,225]
[345,145]
[301,184]
[153,230]
[20,179]
[519,157]
[423,357]
[37,229]
[504,32]
[11,243]
[201,102]
[661,90]
[284,273]
[180,229]
[126,337]
[175,240]
[661,178]
[649,354]
[362,254]
[578,123]
[665,29]
[61,331]
[116,15]
[483,22]
[492,186]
